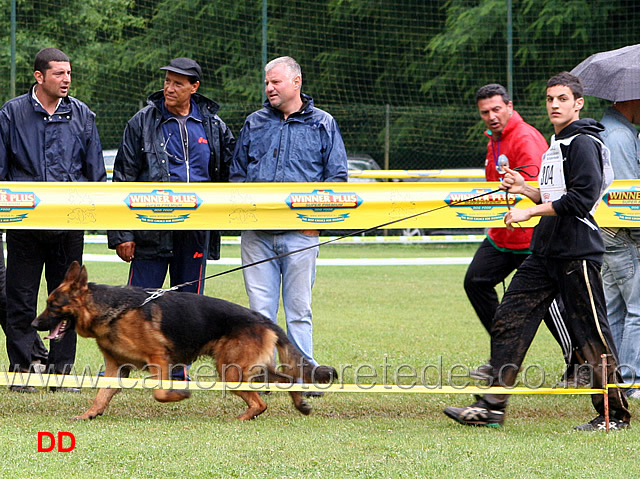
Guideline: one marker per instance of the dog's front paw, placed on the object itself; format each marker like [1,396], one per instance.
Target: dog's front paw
[171,395]
[304,407]
[87,415]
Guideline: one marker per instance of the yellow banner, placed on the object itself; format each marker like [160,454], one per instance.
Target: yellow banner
[277,206]
[45,380]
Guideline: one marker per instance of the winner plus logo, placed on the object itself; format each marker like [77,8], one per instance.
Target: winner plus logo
[15,205]
[629,199]
[478,204]
[324,206]
[163,206]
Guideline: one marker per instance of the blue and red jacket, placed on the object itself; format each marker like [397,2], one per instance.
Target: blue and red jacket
[151,150]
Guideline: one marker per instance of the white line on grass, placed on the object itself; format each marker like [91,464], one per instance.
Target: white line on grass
[321,261]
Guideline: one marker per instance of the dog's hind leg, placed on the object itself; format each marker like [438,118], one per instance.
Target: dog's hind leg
[256,405]
[160,369]
[298,401]
[300,404]
[232,373]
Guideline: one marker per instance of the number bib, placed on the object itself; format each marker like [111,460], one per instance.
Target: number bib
[551,179]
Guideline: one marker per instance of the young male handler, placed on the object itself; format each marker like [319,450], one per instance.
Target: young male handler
[514,143]
[566,258]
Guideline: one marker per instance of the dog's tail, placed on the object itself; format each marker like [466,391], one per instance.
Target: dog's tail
[296,365]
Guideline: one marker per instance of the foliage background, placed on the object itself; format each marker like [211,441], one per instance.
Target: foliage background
[415,63]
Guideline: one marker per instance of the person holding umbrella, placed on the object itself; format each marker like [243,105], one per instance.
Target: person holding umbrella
[621,260]
[615,76]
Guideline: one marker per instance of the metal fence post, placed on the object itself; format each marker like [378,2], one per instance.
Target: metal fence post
[12,86]
[386,135]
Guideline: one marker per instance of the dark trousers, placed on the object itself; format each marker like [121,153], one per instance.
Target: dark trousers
[28,252]
[3,289]
[39,351]
[536,283]
[188,263]
[489,268]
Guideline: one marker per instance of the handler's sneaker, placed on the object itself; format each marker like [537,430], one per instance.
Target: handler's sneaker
[478,414]
[573,379]
[23,389]
[599,424]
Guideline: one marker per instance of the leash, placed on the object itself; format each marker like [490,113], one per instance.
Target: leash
[521,168]
[154,294]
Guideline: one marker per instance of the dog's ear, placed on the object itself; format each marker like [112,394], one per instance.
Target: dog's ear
[72,272]
[82,279]
[77,275]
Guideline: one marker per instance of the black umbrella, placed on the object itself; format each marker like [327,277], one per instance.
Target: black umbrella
[612,75]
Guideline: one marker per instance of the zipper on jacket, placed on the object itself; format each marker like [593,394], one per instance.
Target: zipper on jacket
[185,146]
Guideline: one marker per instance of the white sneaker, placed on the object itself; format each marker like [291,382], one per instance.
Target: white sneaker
[37,367]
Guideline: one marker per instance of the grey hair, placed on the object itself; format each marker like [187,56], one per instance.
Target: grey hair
[293,68]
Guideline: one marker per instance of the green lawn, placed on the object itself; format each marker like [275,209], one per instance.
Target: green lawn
[364,317]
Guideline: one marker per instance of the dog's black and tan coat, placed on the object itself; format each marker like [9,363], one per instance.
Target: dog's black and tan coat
[175,328]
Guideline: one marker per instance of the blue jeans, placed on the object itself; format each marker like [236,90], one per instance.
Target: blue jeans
[295,274]
[621,278]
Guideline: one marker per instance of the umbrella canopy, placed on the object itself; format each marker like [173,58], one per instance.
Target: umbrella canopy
[612,75]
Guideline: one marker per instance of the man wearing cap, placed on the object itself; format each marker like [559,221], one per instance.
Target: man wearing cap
[45,135]
[177,137]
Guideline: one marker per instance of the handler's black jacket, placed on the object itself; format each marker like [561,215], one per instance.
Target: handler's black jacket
[566,236]
[141,157]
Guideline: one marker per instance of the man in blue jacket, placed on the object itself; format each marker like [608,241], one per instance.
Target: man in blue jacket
[289,140]
[566,258]
[45,135]
[177,137]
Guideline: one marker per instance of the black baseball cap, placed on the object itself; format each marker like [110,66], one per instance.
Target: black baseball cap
[184,66]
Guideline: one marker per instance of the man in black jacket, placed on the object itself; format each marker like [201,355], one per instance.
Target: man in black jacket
[45,135]
[567,256]
[177,137]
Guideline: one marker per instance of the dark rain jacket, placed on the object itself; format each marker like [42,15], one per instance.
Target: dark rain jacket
[36,146]
[142,157]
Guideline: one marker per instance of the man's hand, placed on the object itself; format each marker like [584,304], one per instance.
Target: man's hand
[126,250]
[516,215]
[513,182]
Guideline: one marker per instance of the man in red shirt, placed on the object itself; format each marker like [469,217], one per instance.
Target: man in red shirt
[515,144]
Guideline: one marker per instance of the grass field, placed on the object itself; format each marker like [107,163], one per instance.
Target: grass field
[365,317]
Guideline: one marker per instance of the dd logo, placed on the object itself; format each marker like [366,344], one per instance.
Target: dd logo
[47,442]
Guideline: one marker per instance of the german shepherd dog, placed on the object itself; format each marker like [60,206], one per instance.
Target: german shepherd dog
[175,328]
